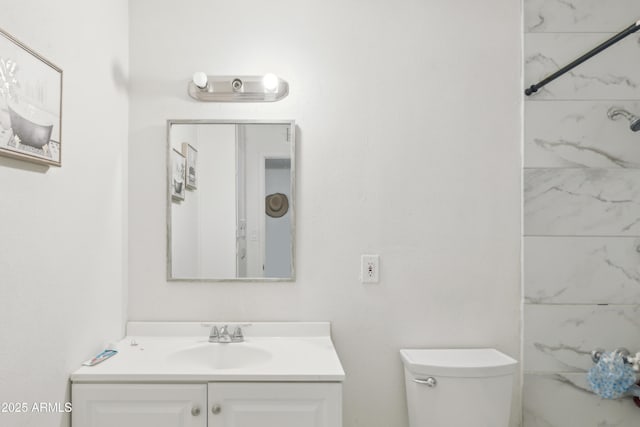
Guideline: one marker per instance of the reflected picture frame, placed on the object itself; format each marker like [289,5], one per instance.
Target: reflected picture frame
[191,155]
[30,104]
[178,175]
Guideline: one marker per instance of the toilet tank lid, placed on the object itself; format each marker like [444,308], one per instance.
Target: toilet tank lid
[458,362]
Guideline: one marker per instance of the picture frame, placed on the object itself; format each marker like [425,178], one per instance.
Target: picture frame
[30,104]
[191,154]
[178,175]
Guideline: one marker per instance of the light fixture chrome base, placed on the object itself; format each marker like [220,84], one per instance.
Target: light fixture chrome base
[239,89]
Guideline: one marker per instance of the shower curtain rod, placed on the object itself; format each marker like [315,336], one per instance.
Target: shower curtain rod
[613,40]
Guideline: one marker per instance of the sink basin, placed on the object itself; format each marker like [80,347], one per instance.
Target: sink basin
[220,356]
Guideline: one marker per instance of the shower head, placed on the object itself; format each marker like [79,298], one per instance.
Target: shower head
[634,121]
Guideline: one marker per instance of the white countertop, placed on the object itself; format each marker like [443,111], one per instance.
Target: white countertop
[285,352]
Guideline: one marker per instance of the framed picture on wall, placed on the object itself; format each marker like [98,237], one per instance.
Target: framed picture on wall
[30,104]
[191,155]
[178,168]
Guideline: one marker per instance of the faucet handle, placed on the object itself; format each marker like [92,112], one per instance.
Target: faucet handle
[237,335]
[214,335]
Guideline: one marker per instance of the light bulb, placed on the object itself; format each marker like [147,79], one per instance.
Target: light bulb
[200,79]
[270,82]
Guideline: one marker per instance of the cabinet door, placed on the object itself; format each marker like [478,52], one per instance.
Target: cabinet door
[275,405]
[138,405]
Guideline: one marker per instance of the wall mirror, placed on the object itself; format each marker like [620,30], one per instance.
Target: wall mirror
[230,200]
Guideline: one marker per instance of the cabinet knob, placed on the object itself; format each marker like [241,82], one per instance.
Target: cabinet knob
[215,409]
[195,411]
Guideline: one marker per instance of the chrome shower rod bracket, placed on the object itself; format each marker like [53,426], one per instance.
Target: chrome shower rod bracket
[613,40]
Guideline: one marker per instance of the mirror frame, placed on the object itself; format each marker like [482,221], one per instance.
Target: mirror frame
[292,127]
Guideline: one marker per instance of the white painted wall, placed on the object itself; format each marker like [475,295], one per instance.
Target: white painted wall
[185,224]
[424,173]
[217,188]
[63,256]
[203,225]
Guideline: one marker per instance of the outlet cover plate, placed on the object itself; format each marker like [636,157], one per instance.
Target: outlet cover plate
[370,268]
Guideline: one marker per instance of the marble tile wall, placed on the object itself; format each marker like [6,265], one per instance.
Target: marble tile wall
[581,270]
[581,209]
[578,16]
[575,134]
[576,202]
[563,399]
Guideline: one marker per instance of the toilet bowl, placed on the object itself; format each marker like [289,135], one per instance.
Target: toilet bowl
[458,387]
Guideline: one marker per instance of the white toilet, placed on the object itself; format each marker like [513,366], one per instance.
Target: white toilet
[458,387]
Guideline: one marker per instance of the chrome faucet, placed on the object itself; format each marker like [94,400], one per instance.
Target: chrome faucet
[223,336]
[214,335]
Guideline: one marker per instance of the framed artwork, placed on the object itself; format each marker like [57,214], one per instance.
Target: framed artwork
[178,168]
[191,155]
[30,104]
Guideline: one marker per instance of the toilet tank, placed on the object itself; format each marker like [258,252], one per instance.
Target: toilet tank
[458,387]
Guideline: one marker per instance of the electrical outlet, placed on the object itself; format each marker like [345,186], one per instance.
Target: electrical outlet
[370,269]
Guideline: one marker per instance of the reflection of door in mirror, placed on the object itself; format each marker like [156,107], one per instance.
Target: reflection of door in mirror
[277,226]
[257,143]
[224,229]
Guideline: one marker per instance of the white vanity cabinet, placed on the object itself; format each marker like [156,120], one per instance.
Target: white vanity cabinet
[223,404]
[138,405]
[169,374]
[241,404]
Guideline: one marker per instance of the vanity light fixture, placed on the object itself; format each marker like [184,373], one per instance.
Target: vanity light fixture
[267,88]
